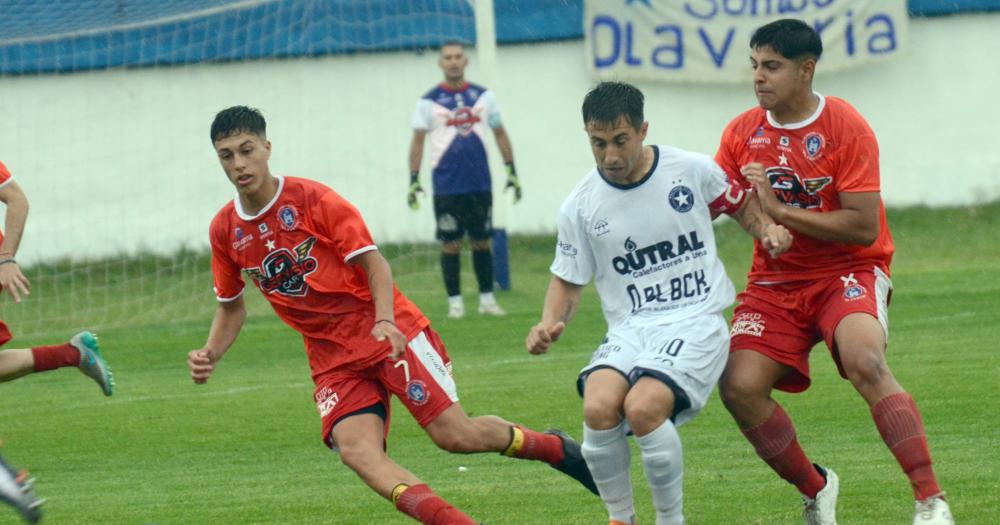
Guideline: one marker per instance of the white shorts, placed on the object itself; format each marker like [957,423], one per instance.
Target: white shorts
[688,356]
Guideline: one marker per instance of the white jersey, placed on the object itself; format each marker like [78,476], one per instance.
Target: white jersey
[650,246]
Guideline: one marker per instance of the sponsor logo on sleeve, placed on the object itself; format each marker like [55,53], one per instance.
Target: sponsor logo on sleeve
[566,248]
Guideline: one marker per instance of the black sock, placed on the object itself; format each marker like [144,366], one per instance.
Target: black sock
[451,265]
[482,261]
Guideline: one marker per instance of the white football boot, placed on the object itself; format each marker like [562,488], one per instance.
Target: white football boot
[933,511]
[823,509]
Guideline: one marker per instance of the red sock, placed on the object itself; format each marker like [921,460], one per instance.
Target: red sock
[422,504]
[776,444]
[528,444]
[898,421]
[55,356]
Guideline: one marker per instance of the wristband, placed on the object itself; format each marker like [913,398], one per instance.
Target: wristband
[377,321]
[510,169]
[414,176]
[5,261]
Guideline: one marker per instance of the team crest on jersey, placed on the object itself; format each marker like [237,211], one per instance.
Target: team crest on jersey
[814,144]
[681,198]
[852,288]
[284,271]
[289,217]
[416,390]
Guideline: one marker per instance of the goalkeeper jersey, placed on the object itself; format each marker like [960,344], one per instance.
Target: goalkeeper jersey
[649,246]
[456,121]
[296,251]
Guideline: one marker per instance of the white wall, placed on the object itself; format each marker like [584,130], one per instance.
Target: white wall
[117,161]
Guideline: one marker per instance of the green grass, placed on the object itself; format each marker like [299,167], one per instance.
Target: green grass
[245,448]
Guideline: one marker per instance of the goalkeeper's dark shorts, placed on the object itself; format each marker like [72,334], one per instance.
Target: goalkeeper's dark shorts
[470,213]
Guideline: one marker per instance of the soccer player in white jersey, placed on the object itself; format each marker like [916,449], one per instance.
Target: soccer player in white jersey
[640,225]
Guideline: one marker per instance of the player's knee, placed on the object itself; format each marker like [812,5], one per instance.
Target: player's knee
[601,413]
[646,413]
[359,457]
[867,368]
[738,392]
[455,439]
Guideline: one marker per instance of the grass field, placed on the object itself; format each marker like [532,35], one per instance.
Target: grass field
[245,448]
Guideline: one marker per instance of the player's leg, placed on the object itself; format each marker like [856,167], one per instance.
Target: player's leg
[17,490]
[479,223]
[648,407]
[81,352]
[450,233]
[605,441]
[422,380]
[770,344]
[859,311]
[674,375]
[359,440]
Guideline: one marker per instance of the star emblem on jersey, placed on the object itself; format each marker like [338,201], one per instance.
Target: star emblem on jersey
[782,160]
[269,244]
[681,198]
[284,271]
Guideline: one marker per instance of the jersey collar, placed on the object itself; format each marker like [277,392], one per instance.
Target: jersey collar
[799,125]
[246,216]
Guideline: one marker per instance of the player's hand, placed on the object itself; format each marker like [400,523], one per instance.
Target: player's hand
[385,330]
[12,280]
[776,240]
[769,203]
[202,364]
[411,197]
[541,337]
[513,183]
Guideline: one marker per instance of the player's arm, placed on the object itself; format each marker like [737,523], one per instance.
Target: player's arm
[775,238]
[380,283]
[856,222]
[416,157]
[11,277]
[507,154]
[561,301]
[226,325]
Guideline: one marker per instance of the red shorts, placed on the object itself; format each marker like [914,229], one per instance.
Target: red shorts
[421,379]
[784,321]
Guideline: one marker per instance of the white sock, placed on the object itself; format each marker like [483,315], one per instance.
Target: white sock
[663,460]
[608,458]
[455,299]
[487,298]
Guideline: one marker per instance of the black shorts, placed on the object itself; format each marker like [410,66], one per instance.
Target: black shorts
[468,212]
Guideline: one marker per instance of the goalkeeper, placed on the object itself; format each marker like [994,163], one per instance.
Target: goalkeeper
[456,114]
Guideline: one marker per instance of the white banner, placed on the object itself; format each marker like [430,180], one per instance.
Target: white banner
[708,40]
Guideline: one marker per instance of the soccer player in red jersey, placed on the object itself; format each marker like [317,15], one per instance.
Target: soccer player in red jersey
[813,161]
[310,253]
[16,488]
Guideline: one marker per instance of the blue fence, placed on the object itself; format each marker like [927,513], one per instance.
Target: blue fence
[67,36]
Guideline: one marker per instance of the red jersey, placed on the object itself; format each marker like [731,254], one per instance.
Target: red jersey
[809,164]
[5,178]
[296,251]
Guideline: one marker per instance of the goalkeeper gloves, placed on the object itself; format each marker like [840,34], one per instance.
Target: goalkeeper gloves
[411,197]
[513,182]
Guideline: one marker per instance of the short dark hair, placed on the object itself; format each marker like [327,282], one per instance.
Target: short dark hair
[238,119]
[447,43]
[791,38]
[610,100]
